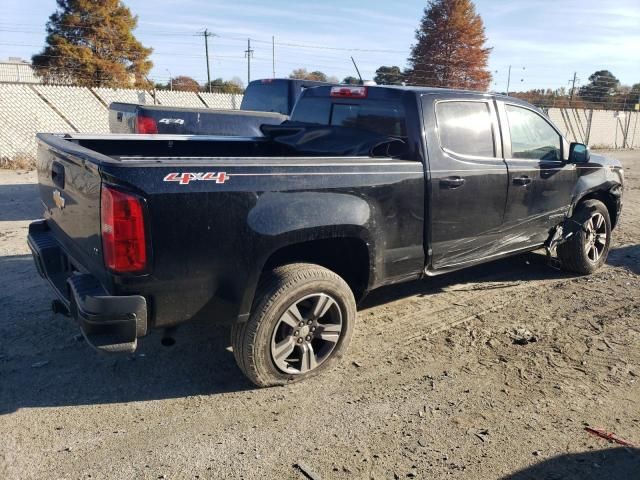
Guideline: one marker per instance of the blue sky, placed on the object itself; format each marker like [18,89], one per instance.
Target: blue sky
[544,40]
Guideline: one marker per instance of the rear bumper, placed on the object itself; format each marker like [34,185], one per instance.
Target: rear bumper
[109,323]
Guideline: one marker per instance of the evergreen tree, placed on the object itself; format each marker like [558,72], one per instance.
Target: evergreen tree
[602,86]
[450,49]
[389,76]
[91,43]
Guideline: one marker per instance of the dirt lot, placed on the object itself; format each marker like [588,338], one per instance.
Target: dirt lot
[433,385]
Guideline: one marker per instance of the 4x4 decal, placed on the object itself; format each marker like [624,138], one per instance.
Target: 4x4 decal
[187,177]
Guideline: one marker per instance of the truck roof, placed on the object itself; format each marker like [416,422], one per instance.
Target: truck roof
[452,92]
[312,83]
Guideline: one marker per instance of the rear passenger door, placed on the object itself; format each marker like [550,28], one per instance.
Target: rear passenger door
[541,182]
[468,179]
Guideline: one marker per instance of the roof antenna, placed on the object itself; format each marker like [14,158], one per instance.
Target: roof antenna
[354,64]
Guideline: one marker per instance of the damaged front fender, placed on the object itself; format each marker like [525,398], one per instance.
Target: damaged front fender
[602,178]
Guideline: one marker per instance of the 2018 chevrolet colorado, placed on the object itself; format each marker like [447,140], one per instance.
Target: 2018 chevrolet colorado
[281,235]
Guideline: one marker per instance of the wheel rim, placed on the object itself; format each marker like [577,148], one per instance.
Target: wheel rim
[306,334]
[596,237]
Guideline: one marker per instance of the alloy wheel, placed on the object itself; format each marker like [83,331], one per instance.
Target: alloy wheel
[306,334]
[596,237]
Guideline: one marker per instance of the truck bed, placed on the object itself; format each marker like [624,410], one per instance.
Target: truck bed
[296,146]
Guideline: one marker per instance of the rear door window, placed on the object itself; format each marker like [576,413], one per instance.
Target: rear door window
[465,128]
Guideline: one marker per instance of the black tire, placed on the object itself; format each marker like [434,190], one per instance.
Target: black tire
[298,284]
[573,254]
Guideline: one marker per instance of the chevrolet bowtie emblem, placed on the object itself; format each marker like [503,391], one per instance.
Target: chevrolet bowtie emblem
[58,199]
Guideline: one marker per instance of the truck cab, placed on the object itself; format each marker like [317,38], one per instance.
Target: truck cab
[499,173]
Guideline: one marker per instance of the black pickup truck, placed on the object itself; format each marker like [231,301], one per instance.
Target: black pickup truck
[281,235]
[268,101]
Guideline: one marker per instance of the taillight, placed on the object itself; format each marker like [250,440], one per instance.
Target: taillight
[349,92]
[123,240]
[146,125]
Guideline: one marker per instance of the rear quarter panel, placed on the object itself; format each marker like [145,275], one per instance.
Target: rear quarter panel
[211,240]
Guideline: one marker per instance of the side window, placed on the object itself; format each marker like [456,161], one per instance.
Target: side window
[465,128]
[531,135]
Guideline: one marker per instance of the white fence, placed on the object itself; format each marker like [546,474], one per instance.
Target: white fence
[28,109]
[598,128]
[78,105]
[23,113]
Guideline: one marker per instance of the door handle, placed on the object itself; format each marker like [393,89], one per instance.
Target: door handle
[523,181]
[57,174]
[452,182]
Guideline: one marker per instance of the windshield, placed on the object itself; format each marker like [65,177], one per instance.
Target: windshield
[267,96]
[378,116]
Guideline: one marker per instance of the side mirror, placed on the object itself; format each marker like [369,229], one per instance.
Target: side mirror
[579,153]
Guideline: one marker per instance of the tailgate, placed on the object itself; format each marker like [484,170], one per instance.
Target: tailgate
[210,122]
[122,117]
[70,193]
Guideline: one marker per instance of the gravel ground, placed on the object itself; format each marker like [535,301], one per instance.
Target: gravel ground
[433,384]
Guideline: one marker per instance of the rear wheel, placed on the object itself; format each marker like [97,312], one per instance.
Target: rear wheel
[301,324]
[587,249]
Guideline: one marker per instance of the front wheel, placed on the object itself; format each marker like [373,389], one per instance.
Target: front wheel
[587,249]
[301,324]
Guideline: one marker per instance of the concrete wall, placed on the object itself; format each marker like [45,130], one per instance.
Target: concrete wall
[598,128]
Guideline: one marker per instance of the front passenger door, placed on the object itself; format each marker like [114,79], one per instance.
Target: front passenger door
[540,181]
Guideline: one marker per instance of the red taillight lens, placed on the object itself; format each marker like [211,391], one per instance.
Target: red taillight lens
[123,239]
[146,125]
[349,92]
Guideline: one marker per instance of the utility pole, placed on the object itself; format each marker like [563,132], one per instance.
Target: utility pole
[248,53]
[508,80]
[573,87]
[206,34]
[206,52]
[273,56]
[170,79]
